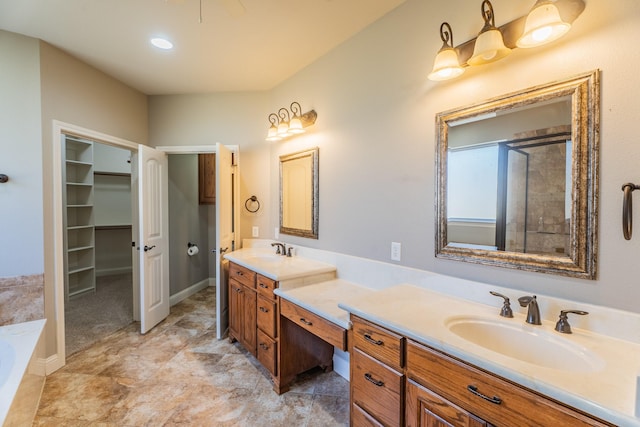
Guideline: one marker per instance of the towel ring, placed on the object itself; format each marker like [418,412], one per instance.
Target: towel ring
[627,209]
[253,200]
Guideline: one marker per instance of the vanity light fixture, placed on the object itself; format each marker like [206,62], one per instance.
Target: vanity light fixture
[547,20]
[287,123]
[489,46]
[446,65]
[543,25]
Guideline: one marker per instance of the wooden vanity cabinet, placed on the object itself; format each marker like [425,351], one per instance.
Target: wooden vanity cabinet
[283,347]
[242,312]
[267,315]
[438,390]
[377,377]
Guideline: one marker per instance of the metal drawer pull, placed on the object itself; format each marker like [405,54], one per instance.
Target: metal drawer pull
[264,310]
[495,399]
[305,321]
[264,346]
[262,285]
[239,273]
[372,341]
[369,378]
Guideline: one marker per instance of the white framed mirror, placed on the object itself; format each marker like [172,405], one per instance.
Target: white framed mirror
[517,179]
[299,193]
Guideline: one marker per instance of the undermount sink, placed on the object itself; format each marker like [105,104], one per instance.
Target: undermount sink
[525,343]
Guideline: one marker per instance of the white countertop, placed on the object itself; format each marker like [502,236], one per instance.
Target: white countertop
[322,298]
[277,267]
[607,392]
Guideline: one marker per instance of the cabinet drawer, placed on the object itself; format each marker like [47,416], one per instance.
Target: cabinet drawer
[266,286]
[267,315]
[380,343]
[322,328]
[510,405]
[242,275]
[267,351]
[377,388]
[360,418]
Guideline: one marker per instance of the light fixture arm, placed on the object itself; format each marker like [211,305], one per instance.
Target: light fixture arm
[296,109]
[284,115]
[487,14]
[446,34]
[273,119]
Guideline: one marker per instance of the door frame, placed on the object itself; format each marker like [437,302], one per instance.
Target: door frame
[204,149]
[58,129]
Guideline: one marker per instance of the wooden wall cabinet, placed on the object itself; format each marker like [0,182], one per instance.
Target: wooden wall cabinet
[440,390]
[207,179]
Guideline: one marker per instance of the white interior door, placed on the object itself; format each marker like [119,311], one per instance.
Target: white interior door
[224,233]
[153,238]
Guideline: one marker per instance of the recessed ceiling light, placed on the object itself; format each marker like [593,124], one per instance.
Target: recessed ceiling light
[161,43]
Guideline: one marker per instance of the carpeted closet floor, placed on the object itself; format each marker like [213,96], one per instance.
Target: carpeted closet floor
[93,316]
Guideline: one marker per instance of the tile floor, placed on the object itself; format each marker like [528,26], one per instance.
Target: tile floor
[179,374]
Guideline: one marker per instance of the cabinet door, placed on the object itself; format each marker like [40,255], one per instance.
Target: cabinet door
[249,321]
[235,310]
[207,179]
[427,409]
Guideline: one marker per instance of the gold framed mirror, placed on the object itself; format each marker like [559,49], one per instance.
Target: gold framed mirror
[517,179]
[299,193]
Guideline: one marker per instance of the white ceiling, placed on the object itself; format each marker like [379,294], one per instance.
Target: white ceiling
[241,45]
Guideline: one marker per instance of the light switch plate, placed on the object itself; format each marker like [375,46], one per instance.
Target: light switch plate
[255,231]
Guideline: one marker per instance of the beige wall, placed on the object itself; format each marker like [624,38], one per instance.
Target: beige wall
[75,93]
[20,157]
[376,135]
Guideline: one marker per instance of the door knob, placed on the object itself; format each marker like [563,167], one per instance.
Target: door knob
[148,248]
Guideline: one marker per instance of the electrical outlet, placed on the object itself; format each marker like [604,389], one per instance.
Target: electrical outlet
[255,231]
[396,250]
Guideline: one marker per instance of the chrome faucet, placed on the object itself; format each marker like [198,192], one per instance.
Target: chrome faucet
[282,248]
[533,313]
[505,311]
[563,325]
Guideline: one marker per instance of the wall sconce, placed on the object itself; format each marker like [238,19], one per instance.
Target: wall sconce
[285,124]
[547,21]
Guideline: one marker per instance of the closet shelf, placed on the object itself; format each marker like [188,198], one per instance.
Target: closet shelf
[79,163]
[80,269]
[79,227]
[80,184]
[79,248]
[113,227]
[79,206]
[111,173]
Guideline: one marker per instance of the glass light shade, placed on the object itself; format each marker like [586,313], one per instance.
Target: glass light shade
[543,25]
[272,134]
[446,65]
[295,125]
[489,47]
[283,129]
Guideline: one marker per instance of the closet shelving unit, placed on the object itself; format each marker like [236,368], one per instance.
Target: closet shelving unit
[79,217]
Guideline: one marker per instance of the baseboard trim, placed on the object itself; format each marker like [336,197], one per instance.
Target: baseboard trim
[52,364]
[341,363]
[186,293]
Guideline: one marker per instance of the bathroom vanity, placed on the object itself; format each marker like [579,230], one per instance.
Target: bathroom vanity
[437,352]
[287,339]
[397,381]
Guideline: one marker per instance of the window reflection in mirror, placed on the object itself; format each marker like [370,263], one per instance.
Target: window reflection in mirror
[509,180]
[299,193]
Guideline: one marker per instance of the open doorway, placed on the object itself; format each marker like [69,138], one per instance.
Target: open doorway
[98,225]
